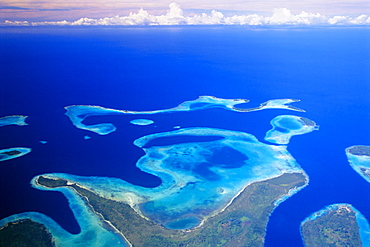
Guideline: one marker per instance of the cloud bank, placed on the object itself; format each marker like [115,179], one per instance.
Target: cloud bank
[175,16]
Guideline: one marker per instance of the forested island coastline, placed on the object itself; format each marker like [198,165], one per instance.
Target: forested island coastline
[242,223]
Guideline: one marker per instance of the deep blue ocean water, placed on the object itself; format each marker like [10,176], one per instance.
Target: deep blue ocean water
[43,70]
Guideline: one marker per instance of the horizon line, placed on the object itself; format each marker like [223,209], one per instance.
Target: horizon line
[175,17]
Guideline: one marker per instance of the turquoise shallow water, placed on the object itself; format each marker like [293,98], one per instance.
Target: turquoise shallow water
[287,126]
[13,120]
[93,232]
[198,179]
[141,121]
[6,154]
[360,163]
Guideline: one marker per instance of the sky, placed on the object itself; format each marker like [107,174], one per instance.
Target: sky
[70,11]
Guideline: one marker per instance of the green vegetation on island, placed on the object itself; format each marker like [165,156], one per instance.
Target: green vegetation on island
[25,233]
[242,223]
[11,153]
[335,228]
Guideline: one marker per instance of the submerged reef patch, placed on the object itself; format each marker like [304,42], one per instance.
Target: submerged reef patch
[78,113]
[13,120]
[142,122]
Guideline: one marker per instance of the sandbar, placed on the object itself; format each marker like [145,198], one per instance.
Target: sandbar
[142,122]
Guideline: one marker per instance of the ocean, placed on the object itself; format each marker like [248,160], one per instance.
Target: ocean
[44,69]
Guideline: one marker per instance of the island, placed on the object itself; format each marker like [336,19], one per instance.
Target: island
[24,233]
[12,153]
[360,150]
[95,232]
[78,113]
[273,104]
[243,223]
[336,225]
[286,126]
[19,120]
[359,159]
[142,122]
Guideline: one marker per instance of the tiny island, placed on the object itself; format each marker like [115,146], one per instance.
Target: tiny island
[12,153]
[19,120]
[287,126]
[142,122]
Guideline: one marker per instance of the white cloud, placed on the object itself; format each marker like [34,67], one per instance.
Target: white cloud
[338,20]
[175,16]
[283,16]
[345,20]
[17,23]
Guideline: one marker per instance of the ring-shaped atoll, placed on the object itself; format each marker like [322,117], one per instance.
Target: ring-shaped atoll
[287,126]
